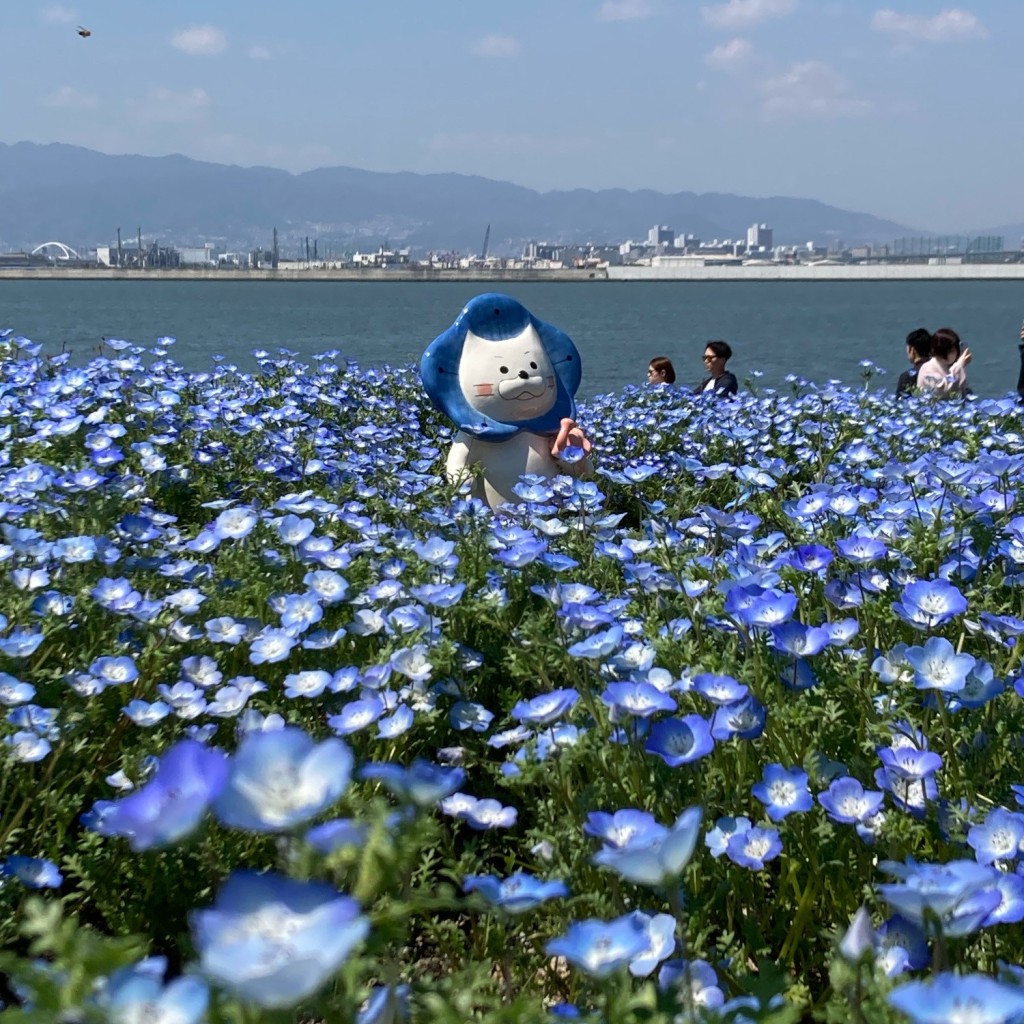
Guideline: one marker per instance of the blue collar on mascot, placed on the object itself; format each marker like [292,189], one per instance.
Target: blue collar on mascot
[497,317]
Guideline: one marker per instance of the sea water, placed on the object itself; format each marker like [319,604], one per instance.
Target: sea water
[817,330]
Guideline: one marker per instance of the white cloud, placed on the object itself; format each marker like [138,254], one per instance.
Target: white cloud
[948,26]
[58,14]
[738,14]
[624,10]
[200,40]
[811,89]
[166,106]
[69,98]
[259,53]
[730,56]
[495,46]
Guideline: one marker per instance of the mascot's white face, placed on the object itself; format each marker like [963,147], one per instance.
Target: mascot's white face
[509,380]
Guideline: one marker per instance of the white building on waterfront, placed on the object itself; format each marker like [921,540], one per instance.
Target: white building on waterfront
[759,236]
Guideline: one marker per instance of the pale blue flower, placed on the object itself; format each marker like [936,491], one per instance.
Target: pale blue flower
[783,791]
[946,998]
[599,948]
[281,779]
[273,941]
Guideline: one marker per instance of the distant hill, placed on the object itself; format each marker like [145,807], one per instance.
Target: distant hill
[79,196]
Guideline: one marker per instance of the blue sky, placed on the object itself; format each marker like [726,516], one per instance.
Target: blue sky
[908,111]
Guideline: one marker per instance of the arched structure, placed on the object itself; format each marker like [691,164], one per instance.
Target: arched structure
[56,251]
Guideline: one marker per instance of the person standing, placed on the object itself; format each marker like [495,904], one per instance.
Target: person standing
[946,372]
[1020,376]
[717,379]
[919,350]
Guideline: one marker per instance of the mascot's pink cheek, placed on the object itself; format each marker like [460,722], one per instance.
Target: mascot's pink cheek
[484,390]
[551,382]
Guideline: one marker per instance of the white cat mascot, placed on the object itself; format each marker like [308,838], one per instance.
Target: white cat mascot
[507,380]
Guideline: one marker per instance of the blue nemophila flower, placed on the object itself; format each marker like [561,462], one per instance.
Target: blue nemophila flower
[413,663]
[144,714]
[546,708]
[598,645]
[848,802]
[861,549]
[998,838]
[308,683]
[20,643]
[282,778]
[783,791]
[901,946]
[927,604]
[469,715]
[799,641]
[655,856]
[138,993]
[517,893]
[387,1004]
[422,784]
[953,998]
[811,558]
[226,630]
[636,699]
[292,530]
[719,689]
[717,838]
[333,835]
[599,948]
[745,719]
[32,872]
[235,523]
[694,982]
[326,585]
[937,666]
[981,686]
[1010,908]
[396,724]
[959,895]
[752,847]
[357,715]
[661,942]
[624,828]
[27,747]
[434,550]
[272,645]
[13,691]
[481,815]
[188,778]
[772,608]
[300,611]
[274,941]
[680,740]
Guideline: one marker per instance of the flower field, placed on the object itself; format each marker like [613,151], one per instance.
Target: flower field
[295,731]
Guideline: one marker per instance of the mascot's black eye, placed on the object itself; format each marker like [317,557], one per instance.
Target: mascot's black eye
[497,312]
[533,366]
[503,369]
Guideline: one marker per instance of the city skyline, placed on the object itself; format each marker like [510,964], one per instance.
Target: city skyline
[900,111]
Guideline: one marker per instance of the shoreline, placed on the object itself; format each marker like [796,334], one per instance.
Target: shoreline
[802,272]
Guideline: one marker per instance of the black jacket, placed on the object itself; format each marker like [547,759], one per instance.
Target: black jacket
[725,385]
[907,382]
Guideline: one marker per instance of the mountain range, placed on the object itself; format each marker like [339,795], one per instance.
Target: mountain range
[81,197]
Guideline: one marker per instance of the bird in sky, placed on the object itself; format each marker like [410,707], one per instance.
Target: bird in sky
[84,32]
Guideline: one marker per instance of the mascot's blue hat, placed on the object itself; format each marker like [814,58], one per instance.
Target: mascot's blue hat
[497,317]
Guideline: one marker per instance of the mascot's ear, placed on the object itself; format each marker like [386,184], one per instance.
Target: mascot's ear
[497,317]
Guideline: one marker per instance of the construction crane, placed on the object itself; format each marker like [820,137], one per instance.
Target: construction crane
[487,240]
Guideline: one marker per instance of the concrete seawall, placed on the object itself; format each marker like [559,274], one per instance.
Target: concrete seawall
[804,272]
